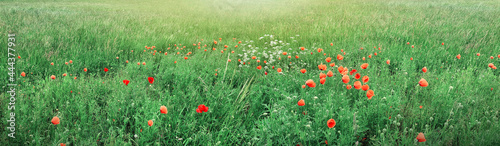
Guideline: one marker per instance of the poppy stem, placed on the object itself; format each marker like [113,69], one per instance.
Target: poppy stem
[227,62]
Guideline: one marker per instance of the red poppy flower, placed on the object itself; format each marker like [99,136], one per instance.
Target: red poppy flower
[322,75]
[301,102]
[423,83]
[163,110]
[105,69]
[365,87]
[364,65]
[329,74]
[353,71]
[340,57]
[202,108]
[340,69]
[331,123]
[151,80]
[322,81]
[357,85]
[345,79]
[322,67]
[370,94]
[310,83]
[328,59]
[126,82]
[55,120]
[357,76]
[421,137]
[365,79]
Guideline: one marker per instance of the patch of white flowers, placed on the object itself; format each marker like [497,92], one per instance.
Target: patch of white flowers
[272,49]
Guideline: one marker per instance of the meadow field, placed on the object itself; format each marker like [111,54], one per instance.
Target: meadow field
[259,72]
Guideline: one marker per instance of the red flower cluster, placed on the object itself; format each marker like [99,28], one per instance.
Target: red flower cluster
[202,108]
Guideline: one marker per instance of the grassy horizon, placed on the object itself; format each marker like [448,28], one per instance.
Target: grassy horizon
[250,106]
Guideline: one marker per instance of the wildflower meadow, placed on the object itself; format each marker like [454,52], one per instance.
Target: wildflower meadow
[250,72]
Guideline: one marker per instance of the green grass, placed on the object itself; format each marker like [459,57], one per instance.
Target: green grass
[460,106]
